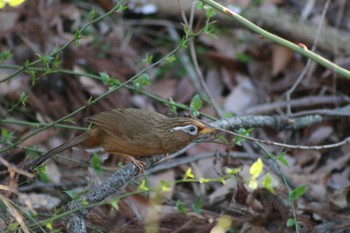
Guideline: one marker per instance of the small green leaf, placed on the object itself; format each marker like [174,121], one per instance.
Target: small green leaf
[143,186]
[13,227]
[185,28]
[77,37]
[114,204]
[49,226]
[6,135]
[4,55]
[183,43]
[282,159]
[196,104]
[165,185]
[148,59]
[228,115]
[290,222]
[172,106]
[267,183]
[232,171]
[84,202]
[92,14]
[96,163]
[111,82]
[70,120]
[141,81]
[199,5]
[297,192]
[197,206]
[121,8]
[90,100]
[41,171]
[23,98]
[210,12]
[74,195]
[170,59]
[243,57]
[244,132]
[181,207]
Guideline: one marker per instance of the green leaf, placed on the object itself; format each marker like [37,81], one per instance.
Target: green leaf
[183,43]
[172,105]
[196,104]
[290,222]
[245,132]
[148,59]
[41,171]
[165,185]
[141,81]
[297,192]
[228,115]
[92,14]
[282,159]
[4,55]
[267,183]
[96,163]
[232,171]
[243,57]
[111,82]
[181,207]
[197,206]
[199,5]
[84,202]
[210,12]
[143,186]
[13,227]
[77,37]
[114,204]
[6,135]
[23,98]
[170,59]
[74,195]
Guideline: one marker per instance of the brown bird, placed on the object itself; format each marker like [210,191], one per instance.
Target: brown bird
[131,133]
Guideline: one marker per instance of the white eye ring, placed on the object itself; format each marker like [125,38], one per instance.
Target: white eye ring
[190,129]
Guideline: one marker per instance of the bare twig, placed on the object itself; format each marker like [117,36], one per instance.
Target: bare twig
[309,61]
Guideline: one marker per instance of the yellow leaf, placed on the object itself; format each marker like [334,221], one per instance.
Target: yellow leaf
[253,184]
[189,174]
[2,4]
[15,3]
[256,169]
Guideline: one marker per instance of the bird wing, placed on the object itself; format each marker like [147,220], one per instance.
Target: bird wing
[126,123]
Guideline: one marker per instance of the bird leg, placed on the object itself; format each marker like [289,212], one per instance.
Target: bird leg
[138,163]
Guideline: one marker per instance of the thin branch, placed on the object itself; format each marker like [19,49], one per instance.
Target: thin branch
[299,48]
[76,220]
[309,61]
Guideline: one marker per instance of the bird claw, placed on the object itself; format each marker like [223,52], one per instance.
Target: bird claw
[139,164]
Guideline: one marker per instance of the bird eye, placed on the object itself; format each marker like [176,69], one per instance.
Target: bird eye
[192,129]
[189,129]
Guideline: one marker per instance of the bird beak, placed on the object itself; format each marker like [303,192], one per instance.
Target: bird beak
[207,129]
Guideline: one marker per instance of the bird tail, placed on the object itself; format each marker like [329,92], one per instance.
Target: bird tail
[75,141]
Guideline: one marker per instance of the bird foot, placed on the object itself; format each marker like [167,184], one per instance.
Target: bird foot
[138,163]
